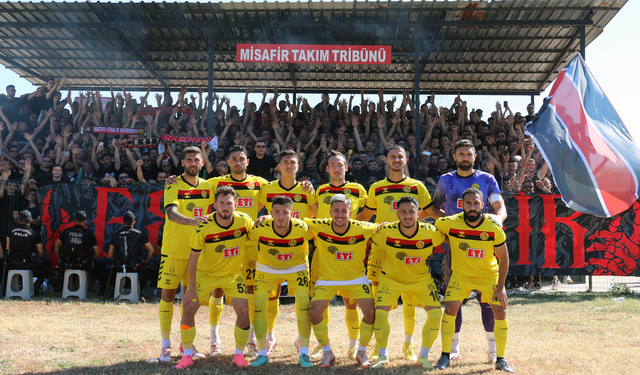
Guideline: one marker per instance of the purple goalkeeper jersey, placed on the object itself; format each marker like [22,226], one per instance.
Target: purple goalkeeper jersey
[448,195]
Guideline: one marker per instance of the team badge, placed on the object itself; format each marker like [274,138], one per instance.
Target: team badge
[495,286]
[464,246]
[388,199]
[378,262]
[172,269]
[406,189]
[484,236]
[204,194]
[456,284]
[297,198]
[302,273]
[420,244]
[475,186]
[327,200]
[239,279]
[219,248]
[237,233]
[190,206]
[431,287]
[401,255]
[293,243]
[352,240]
[346,191]
[385,288]
[252,264]
[273,251]
[260,276]
[332,249]
[251,186]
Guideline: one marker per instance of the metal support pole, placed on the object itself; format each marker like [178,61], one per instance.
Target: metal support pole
[210,101]
[533,100]
[583,42]
[416,104]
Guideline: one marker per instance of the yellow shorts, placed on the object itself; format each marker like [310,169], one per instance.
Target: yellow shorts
[172,271]
[326,292]
[460,287]
[374,265]
[421,293]
[232,285]
[346,296]
[269,281]
[250,254]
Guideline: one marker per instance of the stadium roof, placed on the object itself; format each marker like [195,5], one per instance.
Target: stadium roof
[515,47]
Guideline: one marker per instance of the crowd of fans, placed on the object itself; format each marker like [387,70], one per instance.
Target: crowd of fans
[42,141]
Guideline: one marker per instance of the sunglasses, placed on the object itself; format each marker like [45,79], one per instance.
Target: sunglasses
[223,165]
[261,146]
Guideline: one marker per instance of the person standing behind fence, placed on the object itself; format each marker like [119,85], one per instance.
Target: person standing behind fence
[448,196]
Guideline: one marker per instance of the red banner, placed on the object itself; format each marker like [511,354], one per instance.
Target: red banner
[112,130]
[310,53]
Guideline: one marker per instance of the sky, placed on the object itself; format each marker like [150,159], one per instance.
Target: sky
[612,59]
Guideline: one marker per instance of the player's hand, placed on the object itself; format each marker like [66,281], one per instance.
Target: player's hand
[307,187]
[501,295]
[199,219]
[380,226]
[190,296]
[261,219]
[495,218]
[171,180]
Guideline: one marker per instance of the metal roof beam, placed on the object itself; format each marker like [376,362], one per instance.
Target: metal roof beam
[9,61]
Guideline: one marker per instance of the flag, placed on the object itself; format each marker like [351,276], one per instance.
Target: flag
[594,160]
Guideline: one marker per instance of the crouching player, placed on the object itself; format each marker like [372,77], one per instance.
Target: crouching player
[216,262]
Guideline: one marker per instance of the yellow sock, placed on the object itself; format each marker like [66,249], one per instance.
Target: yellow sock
[165,312]
[215,310]
[302,316]
[273,308]
[447,329]
[325,316]
[241,335]
[366,331]
[431,328]
[252,303]
[260,318]
[188,334]
[409,313]
[501,332]
[381,328]
[322,333]
[352,318]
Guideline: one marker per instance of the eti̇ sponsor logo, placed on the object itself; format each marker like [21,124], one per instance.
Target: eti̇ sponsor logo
[245,202]
[284,257]
[295,214]
[344,256]
[198,211]
[230,252]
[475,253]
[459,205]
[409,261]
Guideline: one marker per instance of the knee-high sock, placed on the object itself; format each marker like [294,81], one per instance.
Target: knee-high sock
[303,303]
[215,310]
[188,334]
[366,331]
[165,312]
[381,328]
[252,302]
[322,333]
[273,308]
[409,313]
[501,333]
[447,330]
[241,336]
[487,316]
[260,318]
[459,320]
[352,318]
[431,328]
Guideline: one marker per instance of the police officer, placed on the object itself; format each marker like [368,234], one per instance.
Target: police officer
[24,250]
[125,249]
[79,249]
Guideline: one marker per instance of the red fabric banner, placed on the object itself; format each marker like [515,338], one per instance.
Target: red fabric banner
[311,53]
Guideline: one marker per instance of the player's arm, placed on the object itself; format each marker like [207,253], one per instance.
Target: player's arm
[313,211]
[499,207]
[150,251]
[430,211]
[96,251]
[191,295]
[503,256]
[56,248]
[112,251]
[178,218]
[366,214]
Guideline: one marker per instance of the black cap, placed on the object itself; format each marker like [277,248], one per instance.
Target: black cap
[128,218]
[24,216]
[81,216]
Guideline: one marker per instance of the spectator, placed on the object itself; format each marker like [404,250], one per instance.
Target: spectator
[261,164]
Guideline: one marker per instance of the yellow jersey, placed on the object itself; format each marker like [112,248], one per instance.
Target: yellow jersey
[301,199]
[407,258]
[340,256]
[355,192]
[248,191]
[192,201]
[221,247]
[384,196]
[280,252]
[472,247]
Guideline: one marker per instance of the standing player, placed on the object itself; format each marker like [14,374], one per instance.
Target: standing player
[477,244]
[304,205]
[448,195]
[247,188]
[382,201]
[216,262]
[408,244]
[186,204]
[341,248]
[337,168]
[282,256]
